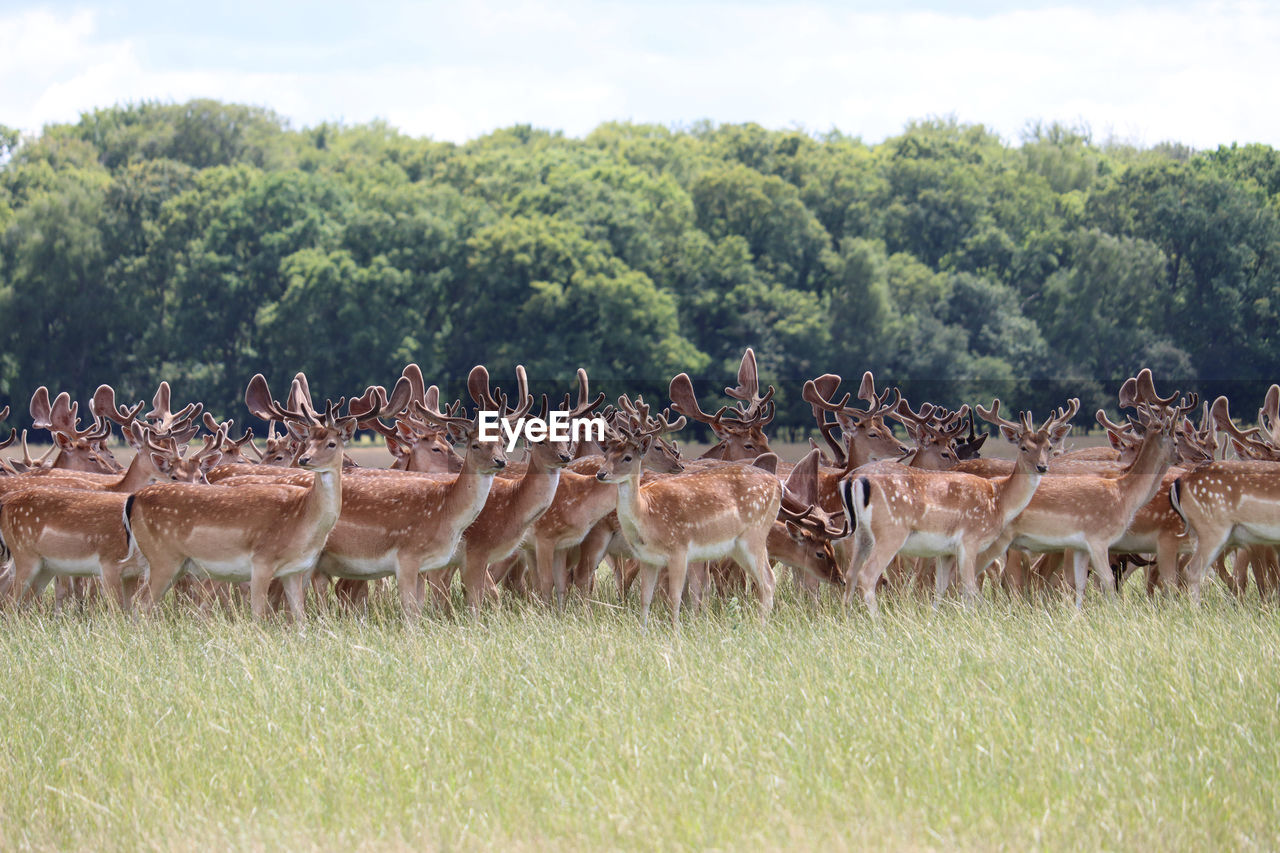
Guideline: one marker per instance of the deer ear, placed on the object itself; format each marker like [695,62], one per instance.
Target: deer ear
[347,429]
[1009,434]
[794,531]
[161,462]
[63,442]
[208,463]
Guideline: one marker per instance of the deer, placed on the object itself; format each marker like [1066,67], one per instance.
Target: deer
[1232,503]
[252,533]
[415,443]
[894,509]
[78,450]
[58,530]
[1087,514]
[513,506]
[581,502]
[718,512]
[739,434]
[409,525]
[1156,528]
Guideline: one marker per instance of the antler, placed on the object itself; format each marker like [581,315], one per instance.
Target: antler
[181,425]
[258,399]
[992,416]
[759,409]
[1246,441]
[1269,414]
[685,402]
[585,404]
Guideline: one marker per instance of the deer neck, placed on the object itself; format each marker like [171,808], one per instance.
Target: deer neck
[536,489]
[467,495]
[1015,490]
[1141,480]
[858,455]
[134,477]
[324,501]
[633,507]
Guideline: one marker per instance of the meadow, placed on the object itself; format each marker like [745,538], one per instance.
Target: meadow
[1133,724]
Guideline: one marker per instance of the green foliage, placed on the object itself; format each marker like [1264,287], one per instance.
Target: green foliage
[202,242]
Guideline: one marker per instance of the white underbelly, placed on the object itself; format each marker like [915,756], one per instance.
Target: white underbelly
[227,571]
[85,567]
[923,544]
[1256,533]
[712,550]
[357,568]
[1041,544]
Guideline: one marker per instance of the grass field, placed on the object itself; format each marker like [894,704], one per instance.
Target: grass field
[1132,725]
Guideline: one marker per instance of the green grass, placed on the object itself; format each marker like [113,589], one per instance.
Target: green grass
[1133,725]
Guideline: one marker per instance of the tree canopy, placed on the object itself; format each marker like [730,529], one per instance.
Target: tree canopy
[203,242]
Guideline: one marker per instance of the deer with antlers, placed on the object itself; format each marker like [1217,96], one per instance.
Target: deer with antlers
[418,444]
[1086,514]
[76,530]
[514,505]
[78,450]
[253,533]
[739,433]
[581,503]
[69,524]
[1233,503]
[719,512]
[895,509]
[412,524]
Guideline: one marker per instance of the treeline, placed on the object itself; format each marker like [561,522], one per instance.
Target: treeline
[204,242]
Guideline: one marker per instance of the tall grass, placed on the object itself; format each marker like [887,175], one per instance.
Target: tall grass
[1131,725]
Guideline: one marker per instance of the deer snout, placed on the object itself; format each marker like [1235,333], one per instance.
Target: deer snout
[1042,468]
[601,476]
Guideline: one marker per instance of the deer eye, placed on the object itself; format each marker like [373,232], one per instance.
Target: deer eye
[333,444]
[627,458]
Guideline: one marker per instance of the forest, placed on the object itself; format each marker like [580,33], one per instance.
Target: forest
[203,242]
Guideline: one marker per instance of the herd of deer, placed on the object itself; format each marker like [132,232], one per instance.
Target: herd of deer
[870,512]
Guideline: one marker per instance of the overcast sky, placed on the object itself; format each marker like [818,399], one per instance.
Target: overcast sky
[1201,73]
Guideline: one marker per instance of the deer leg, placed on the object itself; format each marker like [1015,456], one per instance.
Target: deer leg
[965,562]
[544,558]
[1209,545]
[475,579]
[25,570]
[872,569]
[113,580]
[408,579]
[942,569]
[677,569]
[162,572]
[1080,574]
[260,590]
[295,593]
[648,582]
[1101,561]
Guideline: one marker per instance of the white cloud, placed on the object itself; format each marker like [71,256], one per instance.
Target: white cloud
[1201,74]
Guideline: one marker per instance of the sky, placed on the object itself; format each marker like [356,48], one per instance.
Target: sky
[1199,73]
